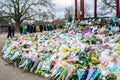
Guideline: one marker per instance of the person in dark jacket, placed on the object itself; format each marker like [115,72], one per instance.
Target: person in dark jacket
[9,31]
[44,27]
[28,28]
[49,27]
[13,30]
[34,28]
[41,28]
[31,29]
[21,30]
[55,27]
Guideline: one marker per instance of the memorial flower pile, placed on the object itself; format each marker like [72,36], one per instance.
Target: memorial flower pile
[77,55]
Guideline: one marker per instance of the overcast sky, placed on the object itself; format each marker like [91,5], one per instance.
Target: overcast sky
[61,4]
[60,7]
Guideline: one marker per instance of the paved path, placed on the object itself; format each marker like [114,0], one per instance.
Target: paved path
[9,72]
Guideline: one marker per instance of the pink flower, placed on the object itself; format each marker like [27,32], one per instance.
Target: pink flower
[103,44]
[71,61]
[109,75]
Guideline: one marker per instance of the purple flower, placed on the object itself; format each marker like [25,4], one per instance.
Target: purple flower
[115,56]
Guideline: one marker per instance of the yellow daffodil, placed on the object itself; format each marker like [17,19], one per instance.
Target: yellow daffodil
[118,47]
[87,57]
[90,63]
[105,26]
[74,67]
[78,20]
[75,49]
[66,50]
[94,59]
[62,65]
[118,53]
[67,60]
[111,53]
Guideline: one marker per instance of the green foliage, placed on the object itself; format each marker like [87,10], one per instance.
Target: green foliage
[111,77]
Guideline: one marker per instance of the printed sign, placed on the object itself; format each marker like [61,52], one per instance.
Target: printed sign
[46,65]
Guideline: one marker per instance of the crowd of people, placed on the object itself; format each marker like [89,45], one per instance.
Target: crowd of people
[11,31]
[28,29]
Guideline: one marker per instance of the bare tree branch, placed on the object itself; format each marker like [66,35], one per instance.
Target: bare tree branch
[106,7]
[20,10]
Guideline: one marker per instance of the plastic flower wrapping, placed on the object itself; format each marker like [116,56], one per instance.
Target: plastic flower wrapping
[73,55]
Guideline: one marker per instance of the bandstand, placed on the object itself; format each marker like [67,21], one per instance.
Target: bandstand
[95,8]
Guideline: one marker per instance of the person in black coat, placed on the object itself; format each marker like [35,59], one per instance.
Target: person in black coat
[31,29]
[9,31]
[54,27]
[34,28]
[28,28]
[44,27]
[21,30]
[13,30]
[41,28]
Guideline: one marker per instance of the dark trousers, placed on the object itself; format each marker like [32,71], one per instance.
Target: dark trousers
[21,32]
[13,32]
[9,34]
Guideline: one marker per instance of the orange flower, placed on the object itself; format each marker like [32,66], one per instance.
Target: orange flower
[92,52]
[105,63]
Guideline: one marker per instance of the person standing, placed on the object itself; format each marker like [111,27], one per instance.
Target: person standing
[9,32]
[49,27]
[25,29]
[41,28]
[31,29]
[13,30]
[21,30]
[28,28]
[44,28]
[34,28]
[54,26]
